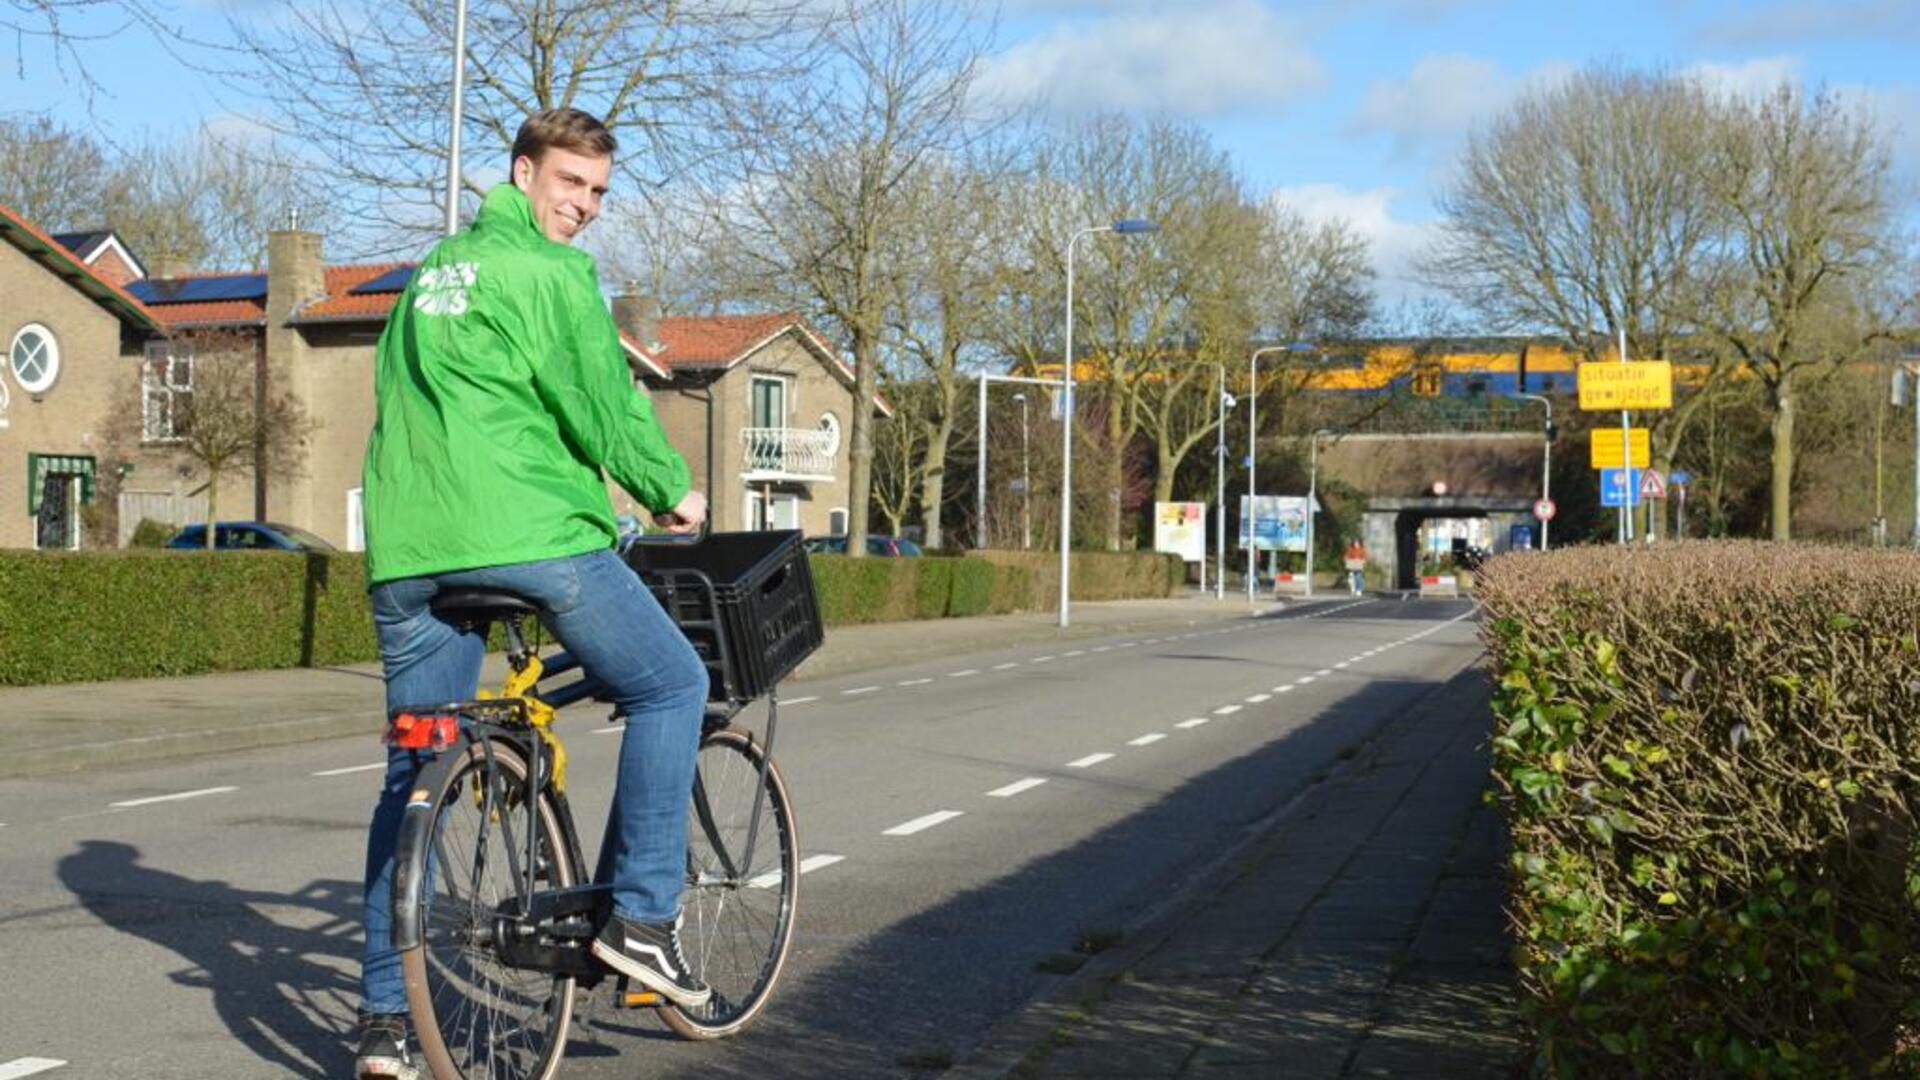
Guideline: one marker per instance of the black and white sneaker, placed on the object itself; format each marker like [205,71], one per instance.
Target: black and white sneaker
[383,1053]
[649,953]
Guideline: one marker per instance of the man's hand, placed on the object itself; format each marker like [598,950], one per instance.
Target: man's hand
[686,517]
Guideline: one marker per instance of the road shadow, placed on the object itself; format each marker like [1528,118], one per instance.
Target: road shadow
[280,983]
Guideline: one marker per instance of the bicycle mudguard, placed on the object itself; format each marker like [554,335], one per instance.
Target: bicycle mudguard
[410,851]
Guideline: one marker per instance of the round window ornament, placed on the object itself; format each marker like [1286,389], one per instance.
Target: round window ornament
[34,358]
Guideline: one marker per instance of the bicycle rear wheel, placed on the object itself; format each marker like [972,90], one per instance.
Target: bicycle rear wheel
[737,917]
[474,1016]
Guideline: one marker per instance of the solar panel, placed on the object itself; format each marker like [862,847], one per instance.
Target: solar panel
[200,289]
[393,280]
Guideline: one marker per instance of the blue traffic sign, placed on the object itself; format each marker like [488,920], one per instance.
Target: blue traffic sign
[1679,478]
[1619,487]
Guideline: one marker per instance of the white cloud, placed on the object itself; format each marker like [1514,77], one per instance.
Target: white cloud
[1392,242]
[1440,100]
[1746,78]
[1190,60]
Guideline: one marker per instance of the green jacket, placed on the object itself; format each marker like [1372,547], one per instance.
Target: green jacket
[500,393]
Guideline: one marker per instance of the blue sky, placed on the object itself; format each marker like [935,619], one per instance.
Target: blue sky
[1352,108]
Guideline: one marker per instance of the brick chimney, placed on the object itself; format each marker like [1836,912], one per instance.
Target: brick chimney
[637,316]
[296,276]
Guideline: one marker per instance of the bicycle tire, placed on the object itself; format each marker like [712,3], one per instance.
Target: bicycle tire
[474,1017]
[737,926]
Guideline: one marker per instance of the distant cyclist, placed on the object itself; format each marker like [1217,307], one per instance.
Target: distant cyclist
[501,396]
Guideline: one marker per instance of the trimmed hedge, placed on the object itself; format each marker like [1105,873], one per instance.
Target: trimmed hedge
[1707,752]
[92,615]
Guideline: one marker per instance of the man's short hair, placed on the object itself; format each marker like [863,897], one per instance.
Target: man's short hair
[568,129]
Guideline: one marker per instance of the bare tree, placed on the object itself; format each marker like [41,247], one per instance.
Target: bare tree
[1804,183]
[829,180]
[65,28]
[947,269]
[367,92]
[1583,210]
[201,400]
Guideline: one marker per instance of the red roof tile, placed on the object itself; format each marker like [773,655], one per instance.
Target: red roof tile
[212,313]
[342,304]
[705,340]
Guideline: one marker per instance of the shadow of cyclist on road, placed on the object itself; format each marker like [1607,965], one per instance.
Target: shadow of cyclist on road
[276,964]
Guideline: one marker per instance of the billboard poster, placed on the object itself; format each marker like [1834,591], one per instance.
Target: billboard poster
[1181,529]
[1279,522]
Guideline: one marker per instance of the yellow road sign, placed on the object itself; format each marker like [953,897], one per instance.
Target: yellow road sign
[1607,453]
[1642,384]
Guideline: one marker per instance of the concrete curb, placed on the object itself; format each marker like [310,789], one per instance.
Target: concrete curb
[1007,1047]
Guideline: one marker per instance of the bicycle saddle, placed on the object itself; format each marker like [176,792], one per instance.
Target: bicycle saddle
[473,603]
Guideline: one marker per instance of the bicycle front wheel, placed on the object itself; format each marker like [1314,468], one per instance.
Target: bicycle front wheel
[475,1017]
[743,877]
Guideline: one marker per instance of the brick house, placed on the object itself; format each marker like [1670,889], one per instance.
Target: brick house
[756,403]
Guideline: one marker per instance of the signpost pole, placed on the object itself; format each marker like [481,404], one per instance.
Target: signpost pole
[1626,449]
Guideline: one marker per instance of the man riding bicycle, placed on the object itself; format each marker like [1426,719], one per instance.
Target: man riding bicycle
[501,396]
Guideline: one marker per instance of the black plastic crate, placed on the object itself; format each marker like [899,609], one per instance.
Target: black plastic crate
[744,599]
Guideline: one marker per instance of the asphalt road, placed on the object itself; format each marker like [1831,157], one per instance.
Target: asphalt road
[200,918]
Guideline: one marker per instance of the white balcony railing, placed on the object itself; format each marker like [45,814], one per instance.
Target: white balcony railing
[789,453]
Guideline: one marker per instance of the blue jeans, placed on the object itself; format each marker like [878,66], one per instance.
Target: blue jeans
[604,615]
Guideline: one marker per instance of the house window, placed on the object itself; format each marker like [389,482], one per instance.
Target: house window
[837,521]
[166,391]
[778,510]
[830,424]
[769,401]
[57,486]
[35,358]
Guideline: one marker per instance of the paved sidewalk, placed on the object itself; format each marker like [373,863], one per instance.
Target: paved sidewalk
[50,729]
[1357,933]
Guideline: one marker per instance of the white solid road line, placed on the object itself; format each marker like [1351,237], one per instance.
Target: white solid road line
[172,798]
[807,866]
[1193,723]
[860,690]
[1148,739]
[1226,710]
[612,729]
[27,1066]
[1089,761]
[908,828]
[1017,787]
[352,769]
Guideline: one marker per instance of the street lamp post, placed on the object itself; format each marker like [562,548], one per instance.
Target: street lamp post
[1220,491]
[1124,227]
[1026,480]
[453,136]
[1253,441]
[1546,465]
[1313,495]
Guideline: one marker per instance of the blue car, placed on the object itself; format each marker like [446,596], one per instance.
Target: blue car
[248,536]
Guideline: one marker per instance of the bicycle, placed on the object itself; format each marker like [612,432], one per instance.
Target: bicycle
[491,916]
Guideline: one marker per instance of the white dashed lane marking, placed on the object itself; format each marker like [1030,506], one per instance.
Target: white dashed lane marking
[175,797]
[352,769]
[1147,740]
[1323,672]
[915,682]
[1226,710]
[1258,698]
[963,673]
[799,700]
[1076,652]
[1305,679]
[1005,666]
[1283,689]
[1089,761]
[860,690]
[807,866]
[926,821]
[1193,723]
[1040,659]
[27,1066]
[1017,787]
